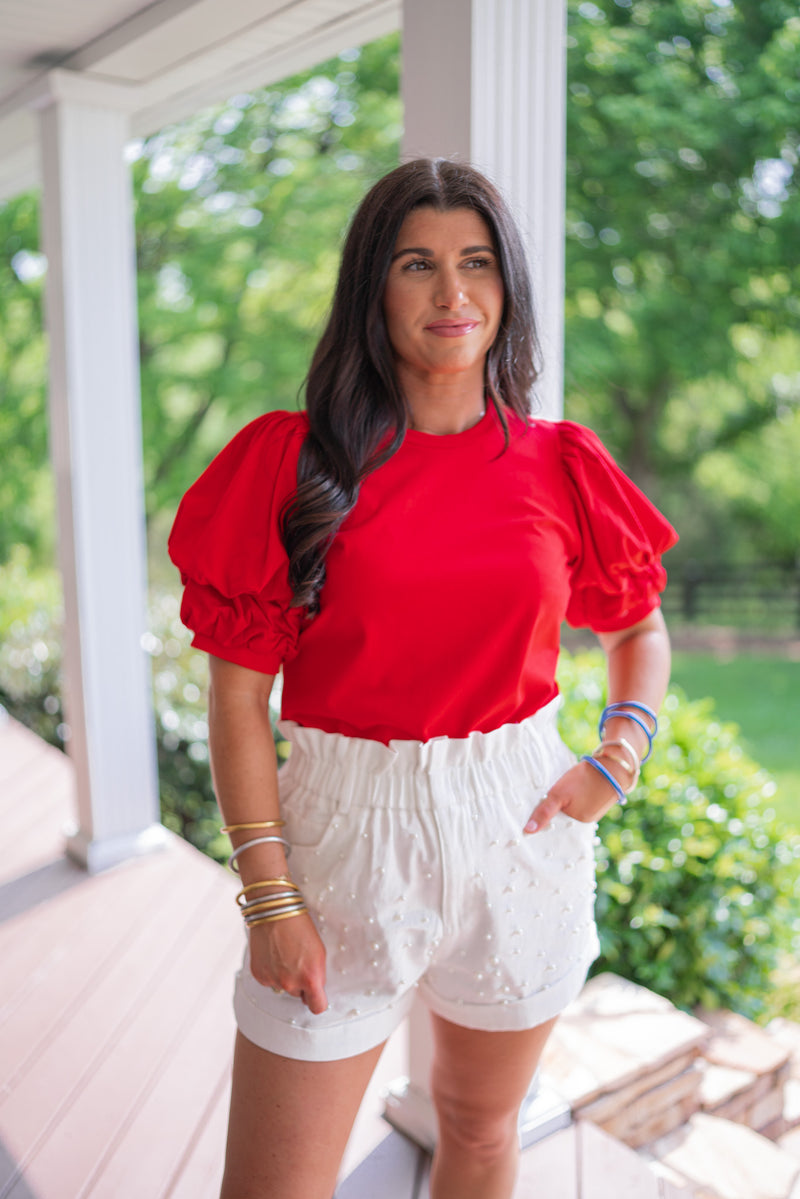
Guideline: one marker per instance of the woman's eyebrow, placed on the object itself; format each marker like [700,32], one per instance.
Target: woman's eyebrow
[424,252]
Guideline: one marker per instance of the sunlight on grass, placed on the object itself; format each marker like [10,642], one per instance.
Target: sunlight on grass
[761,695]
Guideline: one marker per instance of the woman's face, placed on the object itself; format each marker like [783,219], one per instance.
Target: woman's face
[444,293]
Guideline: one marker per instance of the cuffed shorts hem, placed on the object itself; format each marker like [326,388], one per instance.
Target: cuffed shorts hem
[511,1015]
[329,1044]
[357,1035]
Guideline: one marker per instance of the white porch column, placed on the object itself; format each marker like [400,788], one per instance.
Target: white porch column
[95,439]
[485,81]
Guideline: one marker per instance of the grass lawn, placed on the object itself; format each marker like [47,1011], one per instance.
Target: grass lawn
[762,696]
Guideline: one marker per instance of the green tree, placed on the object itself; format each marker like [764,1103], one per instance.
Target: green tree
[25,483]
[682,210]
[240,214]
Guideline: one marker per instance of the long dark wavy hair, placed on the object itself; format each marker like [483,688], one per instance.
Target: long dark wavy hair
[357,412]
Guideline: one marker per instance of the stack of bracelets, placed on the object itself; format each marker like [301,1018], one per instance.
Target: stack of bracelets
[628,759]
[272,905]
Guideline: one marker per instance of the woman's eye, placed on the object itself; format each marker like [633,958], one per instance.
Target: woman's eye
[474,263]
[417,265]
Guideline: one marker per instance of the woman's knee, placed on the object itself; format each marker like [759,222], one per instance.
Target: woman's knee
[484,1133]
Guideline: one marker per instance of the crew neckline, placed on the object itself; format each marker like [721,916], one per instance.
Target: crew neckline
[419,437]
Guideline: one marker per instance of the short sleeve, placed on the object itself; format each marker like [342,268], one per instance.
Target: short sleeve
[617,576]
[226,543]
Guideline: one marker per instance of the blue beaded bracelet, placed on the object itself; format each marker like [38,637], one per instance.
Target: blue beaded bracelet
[621,710]
[640,707]
[621,796]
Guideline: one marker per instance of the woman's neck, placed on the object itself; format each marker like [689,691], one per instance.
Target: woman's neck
[446,405]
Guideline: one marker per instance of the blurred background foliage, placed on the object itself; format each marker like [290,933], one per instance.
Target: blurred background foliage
[683,301]
[682,350]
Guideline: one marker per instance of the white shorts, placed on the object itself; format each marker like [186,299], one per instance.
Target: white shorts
[413,863]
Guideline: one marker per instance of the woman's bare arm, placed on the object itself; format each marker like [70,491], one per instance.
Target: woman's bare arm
[285,954]
[638,669]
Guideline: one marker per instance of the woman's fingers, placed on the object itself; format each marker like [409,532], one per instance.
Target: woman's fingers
[542,814]
[580,793]
[314,998]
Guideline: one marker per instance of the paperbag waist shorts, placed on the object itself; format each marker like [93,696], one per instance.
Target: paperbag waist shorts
[413,863]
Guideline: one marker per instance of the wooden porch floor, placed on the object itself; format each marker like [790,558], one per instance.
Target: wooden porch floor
[116,1027]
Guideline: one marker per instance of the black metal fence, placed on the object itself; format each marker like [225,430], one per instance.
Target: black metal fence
[756,596]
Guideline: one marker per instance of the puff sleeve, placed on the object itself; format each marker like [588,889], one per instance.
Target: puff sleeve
[226,543]
[617,574]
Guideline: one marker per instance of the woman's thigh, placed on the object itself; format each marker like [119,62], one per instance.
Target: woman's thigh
[289,1122]
[479,1079]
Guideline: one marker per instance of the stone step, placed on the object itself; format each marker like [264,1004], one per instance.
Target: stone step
[721,1159]
[746,1072]
[738,1044]
[617,1037]
[787,1034]
[741,1096]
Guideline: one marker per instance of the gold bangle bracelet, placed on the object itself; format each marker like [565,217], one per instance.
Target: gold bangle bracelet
[603,753]
[614,758]
[281,881]
[235,828]
[278,916]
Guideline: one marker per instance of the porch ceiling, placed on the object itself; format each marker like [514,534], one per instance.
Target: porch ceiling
[173,56]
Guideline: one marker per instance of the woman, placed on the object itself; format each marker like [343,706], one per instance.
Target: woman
[407,551]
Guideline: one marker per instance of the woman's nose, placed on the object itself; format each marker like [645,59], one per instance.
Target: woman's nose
[449,289]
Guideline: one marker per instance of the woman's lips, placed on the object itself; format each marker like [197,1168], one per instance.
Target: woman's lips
[451,328]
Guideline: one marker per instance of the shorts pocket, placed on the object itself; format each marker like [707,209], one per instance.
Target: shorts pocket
[311,819]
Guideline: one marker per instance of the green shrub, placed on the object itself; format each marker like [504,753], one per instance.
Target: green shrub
[698,885]
[180,681]
[30,647]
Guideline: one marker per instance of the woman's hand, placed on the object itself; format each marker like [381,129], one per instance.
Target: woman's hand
[581,793]
[288,955]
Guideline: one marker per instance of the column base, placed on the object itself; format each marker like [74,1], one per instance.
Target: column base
[103,853]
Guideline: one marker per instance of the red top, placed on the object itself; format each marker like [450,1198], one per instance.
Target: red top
[446,585]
